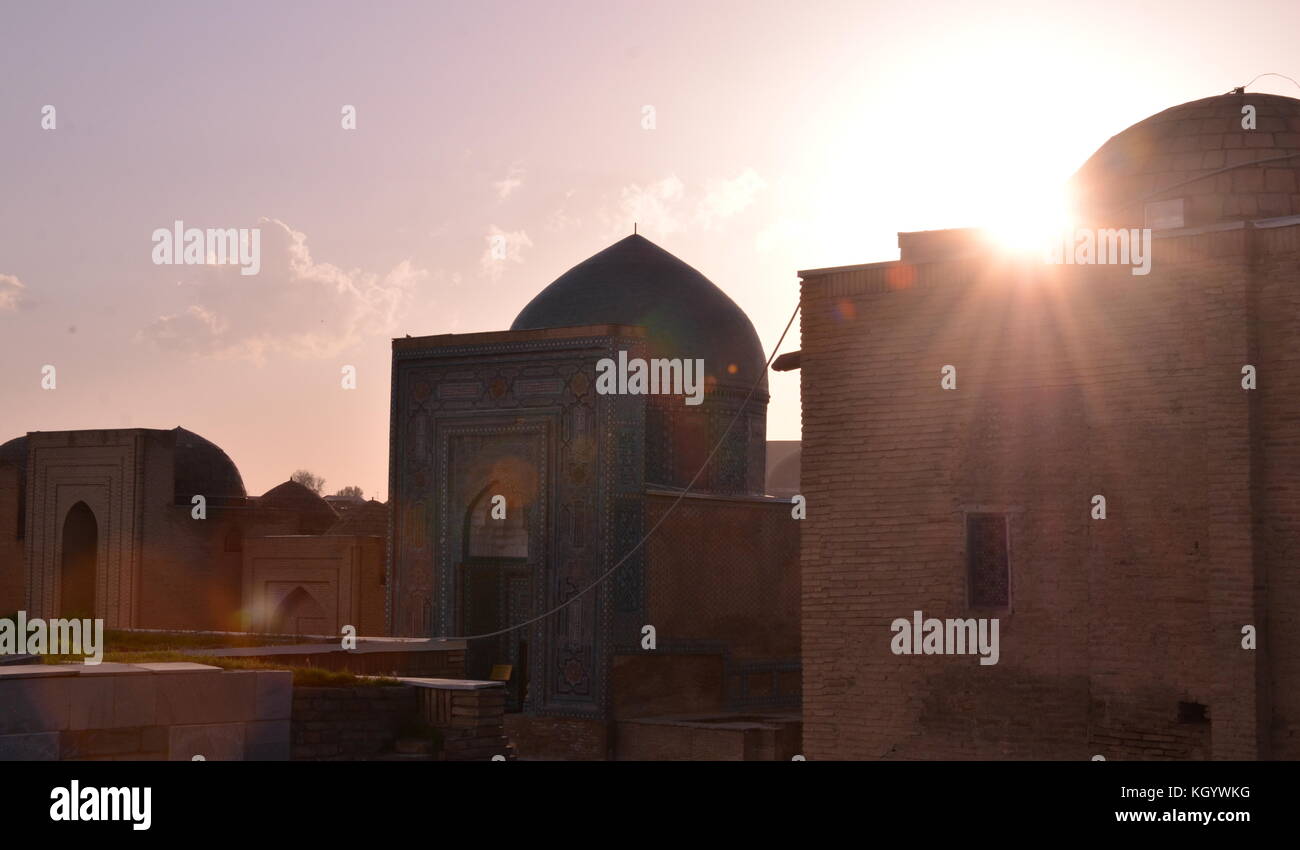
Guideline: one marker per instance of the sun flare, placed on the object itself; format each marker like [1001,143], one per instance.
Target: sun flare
[1029,219]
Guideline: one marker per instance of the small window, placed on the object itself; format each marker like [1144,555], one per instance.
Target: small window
[1165,215]
[988,561]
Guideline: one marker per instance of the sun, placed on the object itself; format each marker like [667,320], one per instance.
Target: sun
[1027,218]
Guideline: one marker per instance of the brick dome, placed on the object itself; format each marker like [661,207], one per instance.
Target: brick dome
[314,513]
[1198,153]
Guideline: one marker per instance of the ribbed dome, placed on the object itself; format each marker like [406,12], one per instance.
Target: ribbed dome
[635,282]
[202,468]
[1183,152]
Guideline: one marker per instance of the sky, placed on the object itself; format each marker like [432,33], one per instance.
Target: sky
[750,139]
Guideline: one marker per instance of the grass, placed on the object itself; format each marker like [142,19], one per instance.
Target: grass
[116,640]
[119,640]
[313,677]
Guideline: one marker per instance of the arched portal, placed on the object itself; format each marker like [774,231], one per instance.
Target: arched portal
[497,586]
[80,555]
[299,614]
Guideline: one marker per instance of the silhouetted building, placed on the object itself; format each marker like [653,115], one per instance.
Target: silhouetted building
[1126,637]
[513,420]
[104,524]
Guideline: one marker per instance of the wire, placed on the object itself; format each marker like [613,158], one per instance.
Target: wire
[575,597]
[1267,74]
[1138,200]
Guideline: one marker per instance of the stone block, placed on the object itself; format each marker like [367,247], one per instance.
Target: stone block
[36,671]
[35,746]
[111,700]
[213,741]
[212,697]
[88,743]
[90,702]
[266,740]
[273,699]
[34,705]
[135,700]
[178,667]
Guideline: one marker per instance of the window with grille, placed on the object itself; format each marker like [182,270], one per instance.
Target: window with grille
[988,561]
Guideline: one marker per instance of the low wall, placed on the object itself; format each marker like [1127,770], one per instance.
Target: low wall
[558,738]
[132,712]
[469,714]
[444,659]
[349,723]
[710,738]
[365,722]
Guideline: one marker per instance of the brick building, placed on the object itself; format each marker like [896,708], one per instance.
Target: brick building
[101,523]
[581,476]
[1123,636]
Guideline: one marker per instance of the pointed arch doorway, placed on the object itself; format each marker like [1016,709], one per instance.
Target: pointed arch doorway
[77,570]
[497,588]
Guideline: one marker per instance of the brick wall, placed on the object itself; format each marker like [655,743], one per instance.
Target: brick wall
[724,570]
[470,717]
[349,723]
[1072,381]
[558,738]
[1277,480]
[12,574]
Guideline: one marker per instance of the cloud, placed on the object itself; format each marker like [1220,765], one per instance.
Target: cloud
[726,198]
[655,208]
[294,306]
[666,206]
[11,292]
[502,248]
[512,181]
[561,219]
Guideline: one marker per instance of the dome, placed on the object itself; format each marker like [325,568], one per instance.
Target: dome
[14,453]
[315,514]
[366,519]
[1198,153]
[292,496]
[202,468]
[635,282]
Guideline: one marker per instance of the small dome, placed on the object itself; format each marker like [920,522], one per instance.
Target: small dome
[202,468]
[14,452]
[635,282]
[315,513]
[368,519]
[292,496]
[1200,153]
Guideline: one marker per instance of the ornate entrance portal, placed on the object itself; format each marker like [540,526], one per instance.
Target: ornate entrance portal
[497,579]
